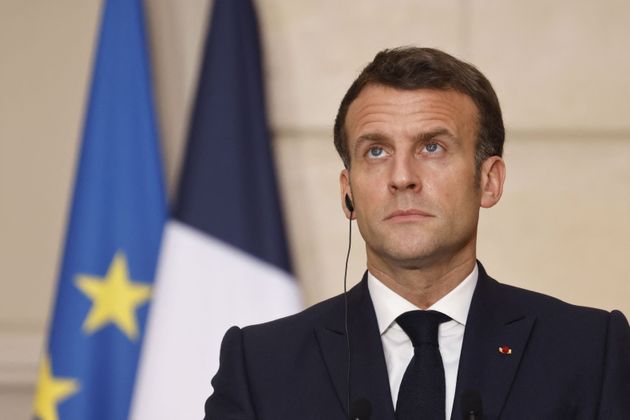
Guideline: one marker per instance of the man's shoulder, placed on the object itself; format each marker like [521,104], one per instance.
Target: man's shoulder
[317,315]
[552,309]
[542,302]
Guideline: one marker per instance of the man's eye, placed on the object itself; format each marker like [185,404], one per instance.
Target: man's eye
[376,152]
[432,147]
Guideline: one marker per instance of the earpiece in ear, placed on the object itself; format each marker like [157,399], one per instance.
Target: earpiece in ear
[349,204]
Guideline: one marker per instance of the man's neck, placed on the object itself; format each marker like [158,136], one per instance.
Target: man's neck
[422,285]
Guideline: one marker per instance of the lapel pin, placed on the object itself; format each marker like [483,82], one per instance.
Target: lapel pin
[505,350]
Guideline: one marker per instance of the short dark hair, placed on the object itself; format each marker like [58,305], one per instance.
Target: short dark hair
[410,68]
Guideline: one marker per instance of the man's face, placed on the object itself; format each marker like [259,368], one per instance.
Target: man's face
[412,178]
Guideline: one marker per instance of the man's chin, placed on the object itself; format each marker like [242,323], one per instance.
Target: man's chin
[409,258]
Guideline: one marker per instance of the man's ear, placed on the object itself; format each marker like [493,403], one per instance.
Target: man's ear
[345,189]
[491,181]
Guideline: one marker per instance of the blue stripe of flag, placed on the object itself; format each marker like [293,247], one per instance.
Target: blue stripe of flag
[228,185]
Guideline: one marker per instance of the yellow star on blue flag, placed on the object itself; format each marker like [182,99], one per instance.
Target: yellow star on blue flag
[51,391]
[114,298]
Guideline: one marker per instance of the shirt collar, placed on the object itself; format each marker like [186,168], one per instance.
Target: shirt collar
[388,305]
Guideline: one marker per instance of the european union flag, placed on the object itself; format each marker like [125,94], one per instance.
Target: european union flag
[113,239]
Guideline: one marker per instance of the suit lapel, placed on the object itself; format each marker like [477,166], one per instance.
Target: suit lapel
[492,323]
[368,374]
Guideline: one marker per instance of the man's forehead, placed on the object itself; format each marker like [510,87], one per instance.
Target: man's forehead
[376,102]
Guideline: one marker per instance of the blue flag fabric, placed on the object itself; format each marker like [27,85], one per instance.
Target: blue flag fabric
[228,184]
[118,212]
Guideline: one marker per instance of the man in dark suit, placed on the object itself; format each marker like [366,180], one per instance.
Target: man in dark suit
[429,335]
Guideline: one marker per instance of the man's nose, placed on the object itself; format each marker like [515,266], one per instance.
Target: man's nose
[404,174]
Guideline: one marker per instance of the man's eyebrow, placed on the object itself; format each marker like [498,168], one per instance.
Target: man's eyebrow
[438,132]
[371,137]
[368,138]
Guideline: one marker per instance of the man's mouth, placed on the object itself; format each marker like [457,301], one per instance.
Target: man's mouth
[408,215]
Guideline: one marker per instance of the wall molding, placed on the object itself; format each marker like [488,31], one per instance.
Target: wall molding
[19,359]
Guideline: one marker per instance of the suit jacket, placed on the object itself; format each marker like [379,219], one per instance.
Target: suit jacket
[566,362]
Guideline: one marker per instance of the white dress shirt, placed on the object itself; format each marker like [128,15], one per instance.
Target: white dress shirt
[396,344]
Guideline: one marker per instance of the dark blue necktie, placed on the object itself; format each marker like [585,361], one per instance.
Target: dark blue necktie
[422,390]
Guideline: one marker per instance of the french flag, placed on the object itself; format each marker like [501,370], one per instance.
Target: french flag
[224,259]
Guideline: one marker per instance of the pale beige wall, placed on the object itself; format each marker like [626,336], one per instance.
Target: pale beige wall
[45,50]
[560,68]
